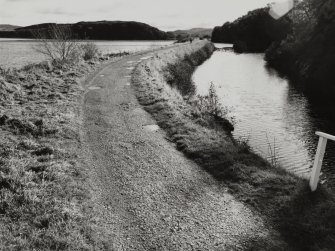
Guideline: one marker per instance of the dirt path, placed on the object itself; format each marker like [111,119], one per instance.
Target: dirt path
[149,195]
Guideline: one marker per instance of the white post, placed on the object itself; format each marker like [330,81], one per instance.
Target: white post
[313,183]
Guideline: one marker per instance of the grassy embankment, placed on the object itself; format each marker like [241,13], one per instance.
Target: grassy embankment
[44,200]
[304,219]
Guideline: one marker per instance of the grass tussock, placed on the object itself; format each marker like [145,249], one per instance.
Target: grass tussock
[304,219]
[44,200]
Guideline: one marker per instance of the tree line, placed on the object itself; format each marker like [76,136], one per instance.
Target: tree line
[300,44]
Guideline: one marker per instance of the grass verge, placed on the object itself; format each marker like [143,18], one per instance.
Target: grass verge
[44,200]
[305,220]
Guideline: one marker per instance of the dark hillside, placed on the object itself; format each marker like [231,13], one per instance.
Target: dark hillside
[307,55]
[191,33]
[117,30]
[101,30]
[254,32]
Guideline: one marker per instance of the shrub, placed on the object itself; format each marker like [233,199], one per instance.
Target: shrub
[212,111]
[210,103]
[90,50]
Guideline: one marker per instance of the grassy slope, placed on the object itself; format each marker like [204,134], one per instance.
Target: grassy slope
[305,219]
[44,200]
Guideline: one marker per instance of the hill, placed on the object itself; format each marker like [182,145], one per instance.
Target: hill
[101,30]
[194,32]
[8,27]
[254,32]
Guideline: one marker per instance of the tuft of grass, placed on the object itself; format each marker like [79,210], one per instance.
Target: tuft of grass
[304,219]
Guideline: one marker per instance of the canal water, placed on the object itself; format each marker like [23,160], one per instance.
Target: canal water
[277,120]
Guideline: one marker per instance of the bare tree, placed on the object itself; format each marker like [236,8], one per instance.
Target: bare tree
[57,43]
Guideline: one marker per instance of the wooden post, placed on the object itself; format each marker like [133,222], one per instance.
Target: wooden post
[313,183]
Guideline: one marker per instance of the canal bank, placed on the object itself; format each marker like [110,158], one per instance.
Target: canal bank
[282,198]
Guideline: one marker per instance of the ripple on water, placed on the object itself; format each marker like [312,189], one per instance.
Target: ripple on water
[270,114]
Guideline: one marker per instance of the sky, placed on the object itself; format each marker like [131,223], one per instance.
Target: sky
[163,14]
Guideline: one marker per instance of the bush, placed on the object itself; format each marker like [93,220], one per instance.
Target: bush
[210,104]
[90,50]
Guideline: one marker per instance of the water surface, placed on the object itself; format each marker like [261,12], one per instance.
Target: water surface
[277,120]
[20,52]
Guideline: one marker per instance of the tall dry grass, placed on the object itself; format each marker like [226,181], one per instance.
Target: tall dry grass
[44,198]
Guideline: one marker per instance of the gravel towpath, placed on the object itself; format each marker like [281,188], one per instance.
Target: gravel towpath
[148,194]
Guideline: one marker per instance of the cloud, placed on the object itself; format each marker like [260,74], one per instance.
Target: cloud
[57,11]
[166,15]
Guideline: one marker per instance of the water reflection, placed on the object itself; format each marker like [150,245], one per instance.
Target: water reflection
[271,114]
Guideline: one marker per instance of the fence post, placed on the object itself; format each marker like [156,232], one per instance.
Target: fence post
[313,183]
